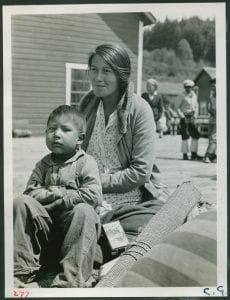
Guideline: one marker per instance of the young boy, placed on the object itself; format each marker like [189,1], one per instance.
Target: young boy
[55,218]
[187,110]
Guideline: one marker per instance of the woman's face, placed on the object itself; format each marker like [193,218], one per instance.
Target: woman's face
[151,88]
[103,79]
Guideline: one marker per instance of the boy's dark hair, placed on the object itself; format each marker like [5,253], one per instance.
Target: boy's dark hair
[77,117]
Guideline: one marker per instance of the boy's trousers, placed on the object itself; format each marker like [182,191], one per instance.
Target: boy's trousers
[76,232]
[189,128]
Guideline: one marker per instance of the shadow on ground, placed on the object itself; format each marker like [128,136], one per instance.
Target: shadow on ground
[168,158]
[211,177]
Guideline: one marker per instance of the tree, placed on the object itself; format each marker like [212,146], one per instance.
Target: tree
[200,35]
[184,51]
[176,50]
[209,32]
[162,35]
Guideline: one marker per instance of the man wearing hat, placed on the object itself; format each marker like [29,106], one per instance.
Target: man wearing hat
[154,99]
[188,111]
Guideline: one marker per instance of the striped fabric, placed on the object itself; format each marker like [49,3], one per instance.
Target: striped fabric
[187,258]
[171,215]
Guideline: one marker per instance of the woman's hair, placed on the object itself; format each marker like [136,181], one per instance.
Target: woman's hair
[153,82]
[72,113]
[118,60]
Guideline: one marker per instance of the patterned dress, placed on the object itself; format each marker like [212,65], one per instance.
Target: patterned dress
[103,147]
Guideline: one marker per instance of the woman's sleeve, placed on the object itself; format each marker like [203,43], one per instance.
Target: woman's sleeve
[142,156]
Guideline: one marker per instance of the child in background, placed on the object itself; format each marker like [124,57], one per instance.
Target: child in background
[55,218]
[170,117]
[210,155]
[162,123]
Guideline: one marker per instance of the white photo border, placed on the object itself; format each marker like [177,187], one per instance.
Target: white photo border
[220,18]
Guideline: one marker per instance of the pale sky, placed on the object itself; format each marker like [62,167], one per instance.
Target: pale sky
[184,10]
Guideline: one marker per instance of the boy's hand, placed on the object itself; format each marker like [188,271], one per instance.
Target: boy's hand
[56,191]
[57,204]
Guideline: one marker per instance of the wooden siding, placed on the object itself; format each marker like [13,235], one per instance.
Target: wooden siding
[43,44]
[204,87]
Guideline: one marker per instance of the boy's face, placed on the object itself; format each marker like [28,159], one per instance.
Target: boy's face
[62,135]
[188,89]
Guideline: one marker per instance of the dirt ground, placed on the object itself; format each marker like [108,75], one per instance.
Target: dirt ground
[174,170]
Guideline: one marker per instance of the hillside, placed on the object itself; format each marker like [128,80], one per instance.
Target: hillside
[176,50]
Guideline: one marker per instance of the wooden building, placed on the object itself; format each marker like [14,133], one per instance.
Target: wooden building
[203,82]
[49,58]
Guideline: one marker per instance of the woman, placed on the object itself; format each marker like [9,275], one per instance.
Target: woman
[156,102]
[120,135]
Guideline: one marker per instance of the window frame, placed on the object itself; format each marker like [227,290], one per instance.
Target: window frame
[69,67]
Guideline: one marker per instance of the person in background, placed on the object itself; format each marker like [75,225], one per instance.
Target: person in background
[188,110]
[155,101]
[210,154]
[170,116]
[162,126]
[55,220]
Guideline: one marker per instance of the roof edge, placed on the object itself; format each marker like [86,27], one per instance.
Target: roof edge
[205,69]
[150,19]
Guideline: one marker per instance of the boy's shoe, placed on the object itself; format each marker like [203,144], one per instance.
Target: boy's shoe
[213,158]
[206,160]
[185,156]
[195,156]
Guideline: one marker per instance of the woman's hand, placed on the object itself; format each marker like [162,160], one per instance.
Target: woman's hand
[57,204]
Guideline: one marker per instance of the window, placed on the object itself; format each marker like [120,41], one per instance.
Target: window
[77,83]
